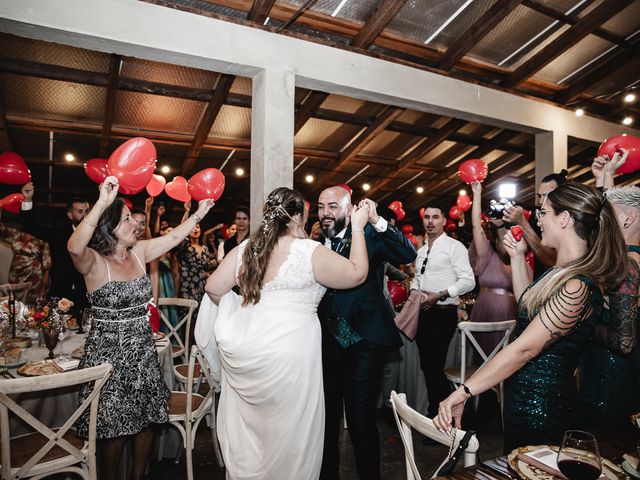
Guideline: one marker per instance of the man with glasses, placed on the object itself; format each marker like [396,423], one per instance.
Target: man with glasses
[545,257]
[443,273]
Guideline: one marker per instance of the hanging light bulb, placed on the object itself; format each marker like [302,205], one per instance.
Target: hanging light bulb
[419,189]
[579,112]
[627,120]
[366,187]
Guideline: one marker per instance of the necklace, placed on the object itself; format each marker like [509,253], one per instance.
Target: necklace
[123,257]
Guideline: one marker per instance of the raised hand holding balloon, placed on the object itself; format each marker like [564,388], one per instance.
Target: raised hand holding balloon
[96,169]
[619,143]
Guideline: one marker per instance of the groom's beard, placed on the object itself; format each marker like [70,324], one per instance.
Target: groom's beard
[331,228]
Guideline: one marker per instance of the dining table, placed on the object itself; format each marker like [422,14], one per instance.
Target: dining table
[614,441]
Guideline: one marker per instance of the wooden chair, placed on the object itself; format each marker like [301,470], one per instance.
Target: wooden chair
[407,418]
[18,290]
[187,409]
[179,334]
[458,375]
[49,450]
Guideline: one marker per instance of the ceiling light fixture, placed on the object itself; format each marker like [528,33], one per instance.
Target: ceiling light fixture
[462,192]
[627,120]
[69,157]
[420,189]
[309,178]
[165,169]
[629,97]
[366,187]
[579,112]
[239,171]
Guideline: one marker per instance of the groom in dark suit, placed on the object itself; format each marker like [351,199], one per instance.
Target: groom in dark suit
[357,330]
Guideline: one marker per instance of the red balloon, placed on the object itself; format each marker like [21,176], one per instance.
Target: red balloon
[422,213]
[628,142]
[396,207]
[450,226]
[407,228]
[464,202]
[225,232]
[96,169]
[154,317]
[484,217]
[526,213]
[455,212]
[133,163]
[529,258]
[474,170]
[412,238]
[517,232]
[398,292]
[346,187]
[13,170]
[127,201]
[178,189]
[156,185]
[307,205]
[12,202]
[208,183]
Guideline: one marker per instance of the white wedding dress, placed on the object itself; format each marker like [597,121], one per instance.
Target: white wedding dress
[271,411]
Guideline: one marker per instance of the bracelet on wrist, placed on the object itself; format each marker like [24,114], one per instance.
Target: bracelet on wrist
[466,390]
[353,230]
[90,224]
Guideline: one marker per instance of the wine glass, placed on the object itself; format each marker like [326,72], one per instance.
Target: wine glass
[579,457]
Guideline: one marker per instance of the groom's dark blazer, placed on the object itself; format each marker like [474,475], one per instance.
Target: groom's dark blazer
[353,373]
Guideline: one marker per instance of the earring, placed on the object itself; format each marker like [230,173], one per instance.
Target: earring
[626,224]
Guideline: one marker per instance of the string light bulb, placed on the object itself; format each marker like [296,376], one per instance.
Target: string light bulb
[629,97]
[627,120]
[165,169]
[69,157]
[366,187]
[420,189]
[239,171]
[309,178]
[579,112]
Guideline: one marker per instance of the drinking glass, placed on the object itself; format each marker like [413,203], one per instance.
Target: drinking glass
[579,457]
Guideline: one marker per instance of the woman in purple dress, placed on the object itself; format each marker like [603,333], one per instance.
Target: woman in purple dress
[495,301]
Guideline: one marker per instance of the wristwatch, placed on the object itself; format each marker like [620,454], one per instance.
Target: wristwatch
[443,296]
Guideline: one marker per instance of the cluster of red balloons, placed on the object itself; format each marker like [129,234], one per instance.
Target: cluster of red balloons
[396,207]
[407,229]
[628,142]
[133,163]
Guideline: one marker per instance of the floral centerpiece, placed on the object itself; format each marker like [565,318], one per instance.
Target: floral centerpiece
[48,319]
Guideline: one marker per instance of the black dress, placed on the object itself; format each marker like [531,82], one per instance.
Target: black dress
[135,395]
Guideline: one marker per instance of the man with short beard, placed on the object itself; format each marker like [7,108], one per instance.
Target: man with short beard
[65,279]
[357,329]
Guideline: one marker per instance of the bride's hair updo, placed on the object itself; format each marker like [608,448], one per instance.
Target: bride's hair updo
[279,209]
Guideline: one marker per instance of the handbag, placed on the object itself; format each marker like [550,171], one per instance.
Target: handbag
[450,462]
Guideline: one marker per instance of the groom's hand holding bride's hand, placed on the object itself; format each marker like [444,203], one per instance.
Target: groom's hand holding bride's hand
[359,216]
[373,213]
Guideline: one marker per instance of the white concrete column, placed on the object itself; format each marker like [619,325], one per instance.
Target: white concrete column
[551,153]
[272,119]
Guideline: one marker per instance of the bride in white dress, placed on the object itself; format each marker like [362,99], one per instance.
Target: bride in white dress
[271,412]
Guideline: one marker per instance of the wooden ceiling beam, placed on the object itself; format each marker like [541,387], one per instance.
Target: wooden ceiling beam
[297,14]
[259,10]
[206,122]
[608,66]
[115,64]
[420,151]
[583,27]
[474,34]
[377,22]
[308,108]
[572,19]
[364,138]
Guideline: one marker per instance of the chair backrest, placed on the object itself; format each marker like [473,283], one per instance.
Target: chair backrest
[196,356]
[178,334]
[407,418]
[8,387]
[19,291]
[468,329]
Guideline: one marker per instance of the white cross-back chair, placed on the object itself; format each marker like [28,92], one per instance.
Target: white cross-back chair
[407,418]
[179,334]
[49,450]
[187,409]
[19,291]
[458,375]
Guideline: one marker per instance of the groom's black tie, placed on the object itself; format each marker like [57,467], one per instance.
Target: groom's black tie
[335,241]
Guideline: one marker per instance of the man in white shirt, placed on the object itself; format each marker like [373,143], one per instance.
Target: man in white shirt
[443,273]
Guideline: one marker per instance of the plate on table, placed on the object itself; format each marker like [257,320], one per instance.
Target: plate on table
[529,472]
[13,365]
[78,353]
[37,369]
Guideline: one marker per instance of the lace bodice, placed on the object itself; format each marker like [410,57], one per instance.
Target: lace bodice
[294,283]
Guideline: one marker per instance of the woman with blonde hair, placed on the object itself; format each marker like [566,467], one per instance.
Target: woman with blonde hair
[557,315]
[271,412]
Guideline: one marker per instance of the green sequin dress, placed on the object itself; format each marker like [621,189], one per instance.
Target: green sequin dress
[609,382]
[541,399]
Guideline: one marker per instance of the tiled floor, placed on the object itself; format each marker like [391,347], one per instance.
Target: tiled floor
[392,454]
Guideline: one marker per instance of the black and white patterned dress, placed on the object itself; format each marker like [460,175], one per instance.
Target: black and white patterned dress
[135,395]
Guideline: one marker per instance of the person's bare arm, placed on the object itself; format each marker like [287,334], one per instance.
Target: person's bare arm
[546,255]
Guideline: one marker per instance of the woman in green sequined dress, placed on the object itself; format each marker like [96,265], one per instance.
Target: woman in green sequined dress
[556,318]
[610,366]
